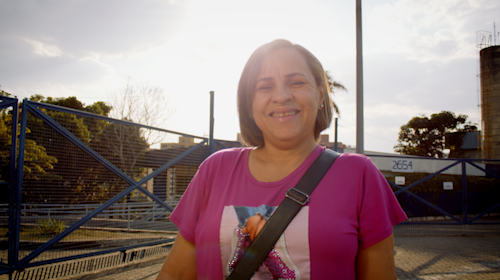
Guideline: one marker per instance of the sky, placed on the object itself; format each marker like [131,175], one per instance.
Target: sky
[419,56]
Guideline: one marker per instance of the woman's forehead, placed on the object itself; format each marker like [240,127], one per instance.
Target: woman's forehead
[284,62]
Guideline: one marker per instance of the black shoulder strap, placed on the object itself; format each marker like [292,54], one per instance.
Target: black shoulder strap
[295,198]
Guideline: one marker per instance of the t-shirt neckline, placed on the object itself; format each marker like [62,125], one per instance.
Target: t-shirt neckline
[299,170]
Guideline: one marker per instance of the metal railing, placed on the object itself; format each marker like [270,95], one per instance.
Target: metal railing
[128,213]
[465,217]
[90,172]
[45,231]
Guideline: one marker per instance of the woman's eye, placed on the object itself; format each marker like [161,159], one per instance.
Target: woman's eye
[264,88]
[296,83]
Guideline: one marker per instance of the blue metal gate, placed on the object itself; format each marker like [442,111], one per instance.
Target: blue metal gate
[460,212]
[88,185]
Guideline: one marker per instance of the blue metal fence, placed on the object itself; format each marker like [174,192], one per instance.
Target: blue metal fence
[11,103]
[105,202]
[463,218]
[119,221]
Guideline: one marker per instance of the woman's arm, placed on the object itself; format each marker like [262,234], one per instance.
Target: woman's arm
[377,262]
[180,262]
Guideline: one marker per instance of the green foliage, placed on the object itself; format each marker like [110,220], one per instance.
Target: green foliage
[37,162]
[423,136]
[122,145]
[4,93]
[50,227]
[53,161]
[72,173]
[5,141]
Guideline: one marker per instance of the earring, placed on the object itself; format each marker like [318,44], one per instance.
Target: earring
[322,105]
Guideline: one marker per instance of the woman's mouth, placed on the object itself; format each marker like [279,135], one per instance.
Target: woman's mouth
[279,115]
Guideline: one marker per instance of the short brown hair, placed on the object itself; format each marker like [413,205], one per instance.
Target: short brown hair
[251,134]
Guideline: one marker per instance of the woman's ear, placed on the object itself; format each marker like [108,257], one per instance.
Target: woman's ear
[321,96]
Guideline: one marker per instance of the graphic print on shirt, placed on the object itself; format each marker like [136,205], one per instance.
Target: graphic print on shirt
[289,258]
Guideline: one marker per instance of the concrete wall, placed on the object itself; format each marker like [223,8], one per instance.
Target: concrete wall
[384,163]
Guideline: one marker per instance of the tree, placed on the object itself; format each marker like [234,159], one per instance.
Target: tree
[77,176]
[334,87]
[423,136]
[38,164]
[4,93]
[141,103]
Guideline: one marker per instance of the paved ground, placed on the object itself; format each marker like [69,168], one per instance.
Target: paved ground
[417,258]
[447,257]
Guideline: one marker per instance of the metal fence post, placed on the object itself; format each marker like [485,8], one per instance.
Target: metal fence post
[128,223]
[14,209]
[336,146]
[464,191]
[19,180]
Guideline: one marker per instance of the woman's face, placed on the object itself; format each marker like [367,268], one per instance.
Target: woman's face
[286,99]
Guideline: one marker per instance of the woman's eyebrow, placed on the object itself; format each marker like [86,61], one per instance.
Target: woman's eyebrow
[294,74]
[288,76]
[265,79]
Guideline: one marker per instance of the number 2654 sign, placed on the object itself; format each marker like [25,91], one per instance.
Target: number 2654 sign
[402,165]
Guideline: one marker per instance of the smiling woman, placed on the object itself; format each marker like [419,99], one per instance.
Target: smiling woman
[343,232]
[282,68]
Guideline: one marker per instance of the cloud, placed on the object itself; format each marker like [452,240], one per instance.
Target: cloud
[419,56]
[413,87]
[428,30]
[62,48]
[82,27]
[44,49]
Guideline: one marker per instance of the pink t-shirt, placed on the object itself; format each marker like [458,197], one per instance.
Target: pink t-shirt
[352,208]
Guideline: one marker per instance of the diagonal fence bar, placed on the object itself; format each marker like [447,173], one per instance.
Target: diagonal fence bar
[425,202]
[424,179]
[32,107]
[132,185]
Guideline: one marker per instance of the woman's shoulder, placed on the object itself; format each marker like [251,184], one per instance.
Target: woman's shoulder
[226,156]
[354,162]
[354,158]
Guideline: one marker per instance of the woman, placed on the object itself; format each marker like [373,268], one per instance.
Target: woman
[344,232]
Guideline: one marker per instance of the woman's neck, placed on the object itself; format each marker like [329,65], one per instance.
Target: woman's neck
[279,154]
[273,163]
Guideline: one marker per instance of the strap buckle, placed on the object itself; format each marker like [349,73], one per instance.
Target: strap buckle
[297,196]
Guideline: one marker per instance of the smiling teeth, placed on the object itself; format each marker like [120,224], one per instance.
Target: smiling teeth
[284,114]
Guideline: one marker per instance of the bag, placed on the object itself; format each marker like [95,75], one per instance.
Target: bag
[294,199]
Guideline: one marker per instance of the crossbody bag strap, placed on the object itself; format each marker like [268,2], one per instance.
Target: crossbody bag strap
[295,198]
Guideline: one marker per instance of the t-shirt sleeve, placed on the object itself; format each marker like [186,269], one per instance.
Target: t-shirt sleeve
[379,209]
[186,214]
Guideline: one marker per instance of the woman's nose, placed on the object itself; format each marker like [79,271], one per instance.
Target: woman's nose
[281,94]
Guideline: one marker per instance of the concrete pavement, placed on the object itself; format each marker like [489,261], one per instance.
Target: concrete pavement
[447,257]
[417,258]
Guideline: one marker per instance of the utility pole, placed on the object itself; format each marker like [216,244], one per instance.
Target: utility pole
[360,149]
[211,140]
